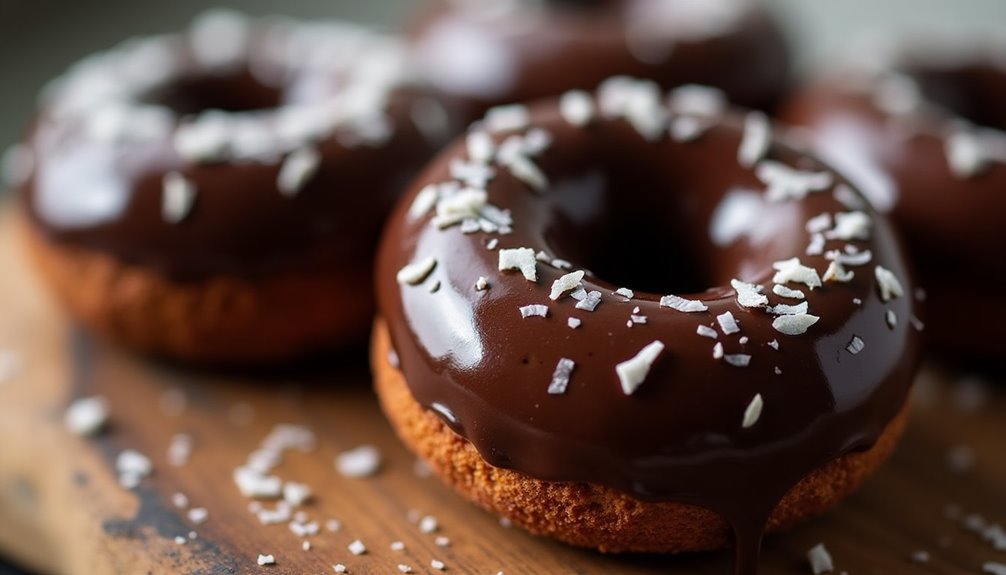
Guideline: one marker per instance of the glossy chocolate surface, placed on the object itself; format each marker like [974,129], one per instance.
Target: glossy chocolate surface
[490,56]
[108,195]
[469,356]
[953,224]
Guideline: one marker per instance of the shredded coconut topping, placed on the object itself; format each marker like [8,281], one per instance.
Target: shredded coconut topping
[564,284]
[534,310]
[481,147]
[753,412]
[850,226]
[794,271]
[626,293]
[683,305]
[416,272]
[737,359]
[590,301]
[573,323]
[756,141]
[632,372]
[706,331]
[890,287]
[297,170]
[481,284]
[820,559]
[362,461]
[560,377]
[785,183]
[847,258]
[728,323]
[749,295]
[819,223]
[783,309]
[856,345]
[178,199]
[507,118]
[783,291]
[577,108]
[522,259]
[794,324]
[837,273]
[718,351]
[816,245]
[696,100]
[892,318]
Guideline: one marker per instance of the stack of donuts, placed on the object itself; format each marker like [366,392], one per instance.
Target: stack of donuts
[632,292]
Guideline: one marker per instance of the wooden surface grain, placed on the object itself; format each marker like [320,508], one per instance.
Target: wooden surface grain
[62,510]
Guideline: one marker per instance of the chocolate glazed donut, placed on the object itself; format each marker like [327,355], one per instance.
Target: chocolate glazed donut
[489,53]
[923,132]
[527,346]
[216,196]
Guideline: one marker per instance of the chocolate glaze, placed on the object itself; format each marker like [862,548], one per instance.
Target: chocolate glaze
[107,197]
[526,55]
[468,355]
[953,225]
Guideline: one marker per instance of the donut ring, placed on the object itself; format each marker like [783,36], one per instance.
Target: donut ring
[216,196]
[901,131]
[564,383]
[493,53]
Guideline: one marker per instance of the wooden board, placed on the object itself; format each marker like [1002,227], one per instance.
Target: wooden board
[62,510]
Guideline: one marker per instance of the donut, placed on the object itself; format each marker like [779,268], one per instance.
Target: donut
[922,130]
[642,324]
[216,196]
[488,52]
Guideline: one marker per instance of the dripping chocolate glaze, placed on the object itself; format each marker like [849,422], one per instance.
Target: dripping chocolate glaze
[107,197]
[952,224]
[533,53]
[469,356]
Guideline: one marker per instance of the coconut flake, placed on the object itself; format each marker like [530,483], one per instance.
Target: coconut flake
[794,324]
[718,351]
[683,305]
[820,559]
[632,372]
[783,291]
[774,344]
[590,301]
[564,284]
[784,183]
[749,295]
[819,223]
[525,170]
[577,108]
[890,287]
[264,560]
[481,147]
[86,416]
[816,245]
[756,141]
[891,318]
[848,258]
[696,100]
[783,309]
[178,197]
[534,310]
[850,226]
[522,259]
[856,345]
[728,323]
[362,461]
[424,201]
[507,118]
[560,377]
[460,206]
[706,331]
[481,284]
[357,547]
[573,323]
[414,273]
[626,293]
[837,273]
[297,170]
[753,412]
[848,197]
[738,359]
[965,154]
[794,271]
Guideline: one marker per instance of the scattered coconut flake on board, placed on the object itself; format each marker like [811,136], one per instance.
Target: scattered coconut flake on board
[793,270]
[362,461]
[86,416]
[264,560]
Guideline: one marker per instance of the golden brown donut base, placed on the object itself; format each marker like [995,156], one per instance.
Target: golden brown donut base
[220,321]
[590,515]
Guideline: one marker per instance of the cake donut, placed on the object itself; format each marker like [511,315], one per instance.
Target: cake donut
[922,130]
[494,52]
[217,195]
[642,324]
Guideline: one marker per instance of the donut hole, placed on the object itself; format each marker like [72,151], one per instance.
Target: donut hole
[973,92]
[234,92]
[645,242]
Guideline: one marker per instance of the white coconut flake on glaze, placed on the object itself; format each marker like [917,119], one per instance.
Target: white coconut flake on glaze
[577,108]
[522,259]
[414,273]
[793,271]
[887,282]
[788,293]
[632,372]
[728,323]
[756,141]
[784,183]
[565,284]
[178,197]
[560,377]
[533,310]
[794,324]
[749,295]
[683,305]
[753,412]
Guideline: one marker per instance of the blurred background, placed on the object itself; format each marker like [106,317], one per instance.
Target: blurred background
[40,38]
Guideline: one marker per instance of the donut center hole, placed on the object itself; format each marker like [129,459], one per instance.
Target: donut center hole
[972,92]
[235,92]
[640,243]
